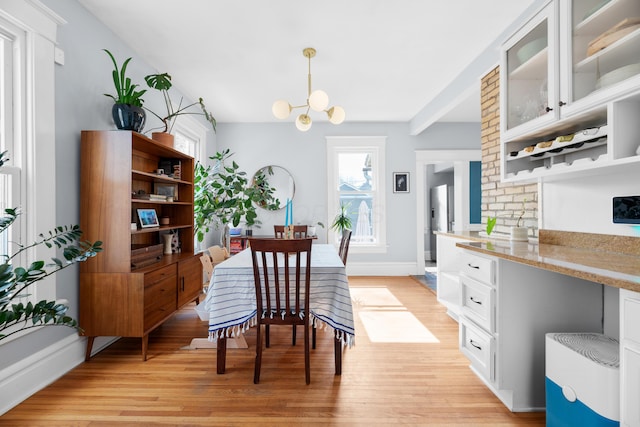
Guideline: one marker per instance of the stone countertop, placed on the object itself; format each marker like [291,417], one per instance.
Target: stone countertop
[606,259]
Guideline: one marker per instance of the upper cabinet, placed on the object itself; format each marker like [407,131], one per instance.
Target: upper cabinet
[529,75]
[570,89]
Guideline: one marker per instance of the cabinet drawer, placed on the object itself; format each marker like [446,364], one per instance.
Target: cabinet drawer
[160,274]
[158,312]
[479,268]
[630,304]
[478,303]
[479,347]
[160,292]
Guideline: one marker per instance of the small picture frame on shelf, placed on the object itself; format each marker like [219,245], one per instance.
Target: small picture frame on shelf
[401,182]
[148,218]
[168,190]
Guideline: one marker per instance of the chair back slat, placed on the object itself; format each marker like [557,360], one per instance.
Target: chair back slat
[299,231]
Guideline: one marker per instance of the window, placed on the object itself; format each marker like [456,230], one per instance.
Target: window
[190,138]
[27,81]
[356,180]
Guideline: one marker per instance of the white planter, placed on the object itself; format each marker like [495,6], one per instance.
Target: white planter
[311,231]
[520,234]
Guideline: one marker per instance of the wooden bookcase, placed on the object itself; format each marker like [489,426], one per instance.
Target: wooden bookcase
[118,298]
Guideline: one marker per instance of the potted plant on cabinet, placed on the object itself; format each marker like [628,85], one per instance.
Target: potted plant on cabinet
[225,197]
[127,111]
[162,83]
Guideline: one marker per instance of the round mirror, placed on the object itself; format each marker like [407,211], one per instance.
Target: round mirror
[280,180]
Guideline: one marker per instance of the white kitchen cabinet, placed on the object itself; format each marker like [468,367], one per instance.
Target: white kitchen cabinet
[556,84]
[448,270]
[507,310]
[629,358]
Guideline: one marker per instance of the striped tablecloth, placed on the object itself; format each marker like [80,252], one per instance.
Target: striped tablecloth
[231,298]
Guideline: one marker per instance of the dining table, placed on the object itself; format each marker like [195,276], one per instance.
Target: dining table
[231,299]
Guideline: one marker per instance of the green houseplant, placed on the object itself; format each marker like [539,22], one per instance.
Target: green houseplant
[225,196]
[127,111]
[342,220]
[15,315]
[162,83]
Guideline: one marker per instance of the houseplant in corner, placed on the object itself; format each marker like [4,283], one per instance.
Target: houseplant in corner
[162,83]
[15,315]
[224,196]
[127,111]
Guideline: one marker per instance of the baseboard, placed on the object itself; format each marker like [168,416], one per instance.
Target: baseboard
[35,372]
[381,268]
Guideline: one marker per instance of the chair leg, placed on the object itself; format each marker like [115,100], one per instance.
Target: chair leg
[256,372]
[293,336]
[266,336]
[307,364]
[313,337]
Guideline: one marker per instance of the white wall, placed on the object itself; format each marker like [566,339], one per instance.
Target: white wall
[584,203]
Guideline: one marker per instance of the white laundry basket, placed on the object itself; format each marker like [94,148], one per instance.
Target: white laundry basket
[582,380]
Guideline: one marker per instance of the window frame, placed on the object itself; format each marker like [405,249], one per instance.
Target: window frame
[359,144]
[31,28]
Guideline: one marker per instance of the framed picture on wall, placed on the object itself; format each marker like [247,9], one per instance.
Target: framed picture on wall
[401,182]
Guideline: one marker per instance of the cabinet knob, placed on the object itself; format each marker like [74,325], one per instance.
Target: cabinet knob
[547,109]
[473,266]
[561,103]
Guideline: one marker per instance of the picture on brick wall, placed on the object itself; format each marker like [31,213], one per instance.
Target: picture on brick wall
[401,182]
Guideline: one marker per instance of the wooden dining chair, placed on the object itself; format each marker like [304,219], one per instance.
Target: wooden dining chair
[207,265]
[218,254]
[344,245]
[282,290]
[299,231]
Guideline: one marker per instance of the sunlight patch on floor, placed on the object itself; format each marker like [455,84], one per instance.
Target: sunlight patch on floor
[377,296]
[386,319]
[395,327]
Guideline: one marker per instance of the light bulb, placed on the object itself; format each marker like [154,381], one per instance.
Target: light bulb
[303,122]
[281,109]
[336,115]
[318,100]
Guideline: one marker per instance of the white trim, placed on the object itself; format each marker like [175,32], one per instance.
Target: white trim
[376,144]
[381,268]
[33,373]
[460,159]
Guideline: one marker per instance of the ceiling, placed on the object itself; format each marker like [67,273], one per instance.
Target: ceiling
[379,60]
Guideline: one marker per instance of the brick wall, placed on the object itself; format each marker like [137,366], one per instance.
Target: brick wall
[504,200]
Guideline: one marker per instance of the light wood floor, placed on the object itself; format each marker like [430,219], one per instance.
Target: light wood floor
[425,384]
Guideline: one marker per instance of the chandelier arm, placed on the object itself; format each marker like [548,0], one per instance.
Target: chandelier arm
[301,106]
[309,80]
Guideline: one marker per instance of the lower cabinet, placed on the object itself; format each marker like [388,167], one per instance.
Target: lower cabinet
[629,358]
[448,270]
[134,304]
[506,310]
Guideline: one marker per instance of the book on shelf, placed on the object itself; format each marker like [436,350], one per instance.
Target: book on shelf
[155,197]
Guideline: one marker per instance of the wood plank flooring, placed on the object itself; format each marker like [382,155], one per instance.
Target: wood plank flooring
[420,384]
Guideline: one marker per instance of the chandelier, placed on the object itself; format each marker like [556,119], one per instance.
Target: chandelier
[317,100]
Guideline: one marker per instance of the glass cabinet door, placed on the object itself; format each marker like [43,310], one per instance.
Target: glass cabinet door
[529,70]
[605,44]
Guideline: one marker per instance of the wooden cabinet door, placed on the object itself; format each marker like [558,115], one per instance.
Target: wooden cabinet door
[189,280]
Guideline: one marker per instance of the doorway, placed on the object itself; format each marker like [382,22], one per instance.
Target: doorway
[460,161]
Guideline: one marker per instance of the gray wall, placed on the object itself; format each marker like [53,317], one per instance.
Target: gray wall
[304,154]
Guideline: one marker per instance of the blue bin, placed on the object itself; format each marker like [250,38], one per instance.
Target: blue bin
[582,380]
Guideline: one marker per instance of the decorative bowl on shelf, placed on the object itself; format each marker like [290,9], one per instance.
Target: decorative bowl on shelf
[527,51]
[618,75]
